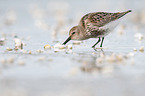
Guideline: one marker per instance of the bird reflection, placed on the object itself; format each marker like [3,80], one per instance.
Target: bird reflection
[90,66]
[90,63]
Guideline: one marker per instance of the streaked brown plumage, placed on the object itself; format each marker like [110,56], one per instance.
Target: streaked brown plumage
[95,25]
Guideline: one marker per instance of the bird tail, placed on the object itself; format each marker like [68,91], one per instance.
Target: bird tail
[119,15]
[127,11]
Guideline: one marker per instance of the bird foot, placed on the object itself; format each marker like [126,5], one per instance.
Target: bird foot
[93,46]
[96,49]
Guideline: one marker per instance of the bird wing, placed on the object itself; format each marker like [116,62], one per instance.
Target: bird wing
[95,21]
[100,19]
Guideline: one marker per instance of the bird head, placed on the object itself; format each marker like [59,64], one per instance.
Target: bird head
[73,34]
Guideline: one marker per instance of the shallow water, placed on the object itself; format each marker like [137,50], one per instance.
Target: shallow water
[116,70]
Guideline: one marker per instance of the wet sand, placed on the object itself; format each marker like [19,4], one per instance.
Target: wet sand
[115,70]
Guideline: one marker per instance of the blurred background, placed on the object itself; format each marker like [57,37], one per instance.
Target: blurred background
[118,70]
[52,18]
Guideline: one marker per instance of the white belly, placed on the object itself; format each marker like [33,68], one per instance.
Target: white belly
[109,27]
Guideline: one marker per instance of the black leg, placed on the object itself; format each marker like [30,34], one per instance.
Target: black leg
[96,43]
[102,42]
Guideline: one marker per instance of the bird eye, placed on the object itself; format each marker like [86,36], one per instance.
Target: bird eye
[73,33]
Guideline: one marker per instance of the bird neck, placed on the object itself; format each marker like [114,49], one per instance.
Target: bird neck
[82,33]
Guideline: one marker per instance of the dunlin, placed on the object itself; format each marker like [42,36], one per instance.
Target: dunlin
[95,25]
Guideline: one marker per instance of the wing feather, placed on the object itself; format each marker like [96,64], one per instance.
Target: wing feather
[93,23]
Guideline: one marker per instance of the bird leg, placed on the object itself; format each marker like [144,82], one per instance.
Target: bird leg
[96,43]
[102,41]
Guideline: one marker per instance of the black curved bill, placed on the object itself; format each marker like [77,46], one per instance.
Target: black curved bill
[67,40]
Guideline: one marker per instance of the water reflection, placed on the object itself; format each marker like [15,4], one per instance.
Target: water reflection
[101,62]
